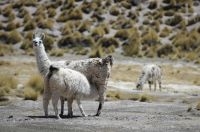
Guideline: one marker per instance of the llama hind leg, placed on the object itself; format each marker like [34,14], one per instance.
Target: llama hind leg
[81,107]
[55,99]
[46,98]
[102,90]
[62,101]
[159,83]
[69,105]
[149,82]
[155,85]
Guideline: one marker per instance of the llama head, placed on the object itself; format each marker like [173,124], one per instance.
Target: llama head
[38,39]
[139,86]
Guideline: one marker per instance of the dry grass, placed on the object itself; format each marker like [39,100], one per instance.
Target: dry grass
[57,52]
[122,95]
[30,94]
[6,49]
[198,106]
[36,83]
[7,82]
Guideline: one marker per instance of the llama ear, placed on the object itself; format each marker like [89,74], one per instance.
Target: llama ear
[42,36]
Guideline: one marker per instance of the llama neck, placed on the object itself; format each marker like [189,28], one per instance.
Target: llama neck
[43,62]
[143,79]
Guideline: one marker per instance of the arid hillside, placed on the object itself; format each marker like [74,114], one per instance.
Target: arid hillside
[137,28]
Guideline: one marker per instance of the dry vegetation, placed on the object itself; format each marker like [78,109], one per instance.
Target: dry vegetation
[84,24]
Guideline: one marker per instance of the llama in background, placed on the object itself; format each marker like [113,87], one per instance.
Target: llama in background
[151,73]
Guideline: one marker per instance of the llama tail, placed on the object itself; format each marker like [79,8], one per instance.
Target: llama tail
[108,60]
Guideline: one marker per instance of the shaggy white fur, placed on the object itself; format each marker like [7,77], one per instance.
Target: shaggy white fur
[150,73]
[96,70]
[69,84]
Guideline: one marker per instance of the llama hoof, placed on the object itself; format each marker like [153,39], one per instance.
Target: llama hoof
[69,115]
[85,115]
[98,114]
[58,117]
[61,115]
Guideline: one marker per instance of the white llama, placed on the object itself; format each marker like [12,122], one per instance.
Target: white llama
[150,73]
[96,73]
[69,84]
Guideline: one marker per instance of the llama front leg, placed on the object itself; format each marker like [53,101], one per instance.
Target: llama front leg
[69,105]
[149,82]
[102,90]
[62,101]
[81,107]
[46,98]
[55,98]
[159,83]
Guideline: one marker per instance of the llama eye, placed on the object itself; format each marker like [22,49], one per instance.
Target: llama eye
[40,42]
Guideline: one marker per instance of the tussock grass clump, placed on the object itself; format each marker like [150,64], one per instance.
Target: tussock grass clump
[5,49]
[165,32]
[126,4]
[146,98]
[114,11]
[30,25]
[7,11]
[11,26]
[46,24]
[4,36]
[7,82]
[98,32]
[169,13]
[36,83]
[132,46]
[96,51]
[30,94]
[165,50]
[84,26]
[40,11]
[152,5]
[57,52]
[121,95]
[51,12]
[187,41]
[26,45]
[150,38]
[107,42]
[122,34]
[14,37]
[22,12]
[73,14]
[174,21]
[68,4]
[48,42]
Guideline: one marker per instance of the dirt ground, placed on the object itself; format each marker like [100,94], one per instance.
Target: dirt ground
[172,109]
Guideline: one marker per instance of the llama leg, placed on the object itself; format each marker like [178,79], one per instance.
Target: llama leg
[159,83]
[62,101]
[46,98]
[154,85]
[149,85]
[55,98]
[69,105]
[102,90]
[81,107]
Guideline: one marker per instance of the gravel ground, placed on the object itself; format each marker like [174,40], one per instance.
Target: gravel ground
[27,116]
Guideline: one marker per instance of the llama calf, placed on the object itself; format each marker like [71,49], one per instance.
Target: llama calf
[150,73]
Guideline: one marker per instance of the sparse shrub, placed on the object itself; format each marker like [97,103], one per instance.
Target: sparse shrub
[75,14]
[107,42]
[57,52]
[26,44]
[29,35]
[114,11]
[165,32]
[36,83]
[30,25]
[14,37]
[86,7]
[30,94]
[5,49]
[174,21]
[145,98]
[7,11]
[152,5]
[1,26]
[51,12]
[96,52]
[67,28]
[46,24]
[165,50]
[48,42]
[146,22]
[11,26]
[30,2]
[150,38]
[22,12]
[132,46]
[169,13]
[84,26]
[68,4]
[122,34]
[194,20]
[126,4]
[7,82]
[27,18]
[40,11]
[98,32]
